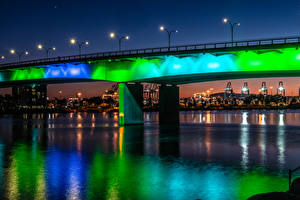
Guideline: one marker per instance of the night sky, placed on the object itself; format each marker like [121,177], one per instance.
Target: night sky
[26,23]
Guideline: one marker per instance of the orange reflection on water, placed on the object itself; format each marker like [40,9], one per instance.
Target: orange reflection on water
[121,135]
[207,142]
[79,140]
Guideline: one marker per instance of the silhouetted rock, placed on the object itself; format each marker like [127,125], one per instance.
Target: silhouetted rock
[275,196]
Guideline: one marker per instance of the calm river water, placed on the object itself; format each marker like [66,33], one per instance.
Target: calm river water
[210,156]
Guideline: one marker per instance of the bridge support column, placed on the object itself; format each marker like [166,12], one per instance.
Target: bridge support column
[169,104]
[130,104]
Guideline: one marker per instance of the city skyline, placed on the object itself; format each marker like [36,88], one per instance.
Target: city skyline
[186,90]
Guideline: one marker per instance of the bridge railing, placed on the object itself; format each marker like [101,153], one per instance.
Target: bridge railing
[158,50]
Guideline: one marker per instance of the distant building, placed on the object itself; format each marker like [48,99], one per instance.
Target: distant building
[30,96]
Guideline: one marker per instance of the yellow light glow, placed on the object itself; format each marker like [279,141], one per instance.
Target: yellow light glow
[127,37]
[162,28]
[12,51]
[72,41]
[112,35]
[26,53]
[225,20]
[86,43]
[40,46]
[53,48]
[2,57]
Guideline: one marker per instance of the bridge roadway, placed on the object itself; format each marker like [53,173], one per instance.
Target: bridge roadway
[278,57]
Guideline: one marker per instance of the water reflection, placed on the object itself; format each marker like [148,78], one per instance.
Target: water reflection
[272,117]
[206,157]
[244,142]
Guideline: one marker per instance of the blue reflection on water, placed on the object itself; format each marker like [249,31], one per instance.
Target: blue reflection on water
[211,155]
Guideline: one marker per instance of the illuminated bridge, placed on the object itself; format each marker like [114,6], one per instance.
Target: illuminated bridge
[279,57]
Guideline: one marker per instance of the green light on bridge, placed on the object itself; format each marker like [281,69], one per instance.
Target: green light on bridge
[28,74]
[143,69]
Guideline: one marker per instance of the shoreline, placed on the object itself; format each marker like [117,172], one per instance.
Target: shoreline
[229,108]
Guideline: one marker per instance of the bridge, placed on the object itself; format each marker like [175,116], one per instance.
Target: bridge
[170,67]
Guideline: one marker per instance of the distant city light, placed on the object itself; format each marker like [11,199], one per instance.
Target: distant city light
[280,88]
[12,51]
[244,89]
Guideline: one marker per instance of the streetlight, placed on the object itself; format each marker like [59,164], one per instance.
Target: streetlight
[41,47]
[162,28]
[120,38]
[79,43]
[2,58]
[232,25]
[20,54]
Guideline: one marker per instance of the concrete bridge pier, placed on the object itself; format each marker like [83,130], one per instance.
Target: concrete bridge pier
[130,104]
[169,104]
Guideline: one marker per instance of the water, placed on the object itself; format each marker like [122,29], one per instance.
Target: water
[210,156]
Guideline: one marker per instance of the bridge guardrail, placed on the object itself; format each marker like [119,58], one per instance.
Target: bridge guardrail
[172,49]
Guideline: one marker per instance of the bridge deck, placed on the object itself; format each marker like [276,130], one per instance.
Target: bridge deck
[187,49]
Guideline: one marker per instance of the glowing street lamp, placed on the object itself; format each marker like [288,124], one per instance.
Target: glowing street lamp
[41,47]
[2,58]
[20,54]
[79,43]
[232,25]
[120,38]
[162,28]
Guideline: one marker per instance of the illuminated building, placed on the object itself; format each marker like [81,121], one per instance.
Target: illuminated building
[30,96]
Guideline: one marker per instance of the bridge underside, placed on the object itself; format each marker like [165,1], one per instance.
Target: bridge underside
[173,80]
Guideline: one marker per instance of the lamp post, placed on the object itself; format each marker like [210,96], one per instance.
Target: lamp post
[232,25]
[20,54]
[79,43]
[41,47]
[2,58]
[120,38]
[162,28]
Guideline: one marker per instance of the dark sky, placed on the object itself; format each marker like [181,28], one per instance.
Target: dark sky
[25,23]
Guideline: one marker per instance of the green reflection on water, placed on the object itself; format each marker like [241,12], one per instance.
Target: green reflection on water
[256,182]
[125,176]
[26,174]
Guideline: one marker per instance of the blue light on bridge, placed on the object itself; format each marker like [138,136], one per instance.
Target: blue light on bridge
[67,70]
